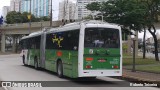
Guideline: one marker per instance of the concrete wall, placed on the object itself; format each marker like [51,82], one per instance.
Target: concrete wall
[23,28]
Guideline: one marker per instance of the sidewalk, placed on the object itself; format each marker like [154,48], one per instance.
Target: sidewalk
[141,76]
[144,76]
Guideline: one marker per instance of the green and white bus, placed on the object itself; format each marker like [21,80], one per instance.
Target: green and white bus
[79,49]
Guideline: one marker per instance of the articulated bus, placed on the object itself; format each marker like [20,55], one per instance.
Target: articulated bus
[79,49]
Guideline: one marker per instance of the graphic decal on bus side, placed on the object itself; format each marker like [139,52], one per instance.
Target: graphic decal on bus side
[58,40]
[69,55]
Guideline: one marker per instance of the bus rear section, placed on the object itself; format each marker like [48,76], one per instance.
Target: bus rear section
[102,52]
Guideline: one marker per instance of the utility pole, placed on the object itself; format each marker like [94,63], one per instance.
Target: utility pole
[133,69]
[68,10]
[30,19]
[51,15]
[14,6]
[19,6]
[64,12]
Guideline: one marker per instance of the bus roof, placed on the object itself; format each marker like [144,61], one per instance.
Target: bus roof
[91,22]
[75,25]
[88,23]
[32,34]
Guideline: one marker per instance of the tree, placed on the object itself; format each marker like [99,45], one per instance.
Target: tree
[94,6]
[17,17]
[124,12]
[132,14]
[24,17]
[144,44]
[90,17]
[45,18]
[151,17]
[13,17]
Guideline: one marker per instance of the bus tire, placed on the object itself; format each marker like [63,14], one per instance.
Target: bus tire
[92,78]
[87,78]
[36,63]
[23,59]
[60,69]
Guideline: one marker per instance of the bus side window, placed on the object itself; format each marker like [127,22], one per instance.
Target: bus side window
[49,41]
[32,43]
[25,44]
[73,40]
[37,42]
[70,40]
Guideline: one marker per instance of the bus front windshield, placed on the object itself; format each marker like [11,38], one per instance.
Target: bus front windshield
[102,38]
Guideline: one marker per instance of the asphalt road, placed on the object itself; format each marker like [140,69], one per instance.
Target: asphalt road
[12,69]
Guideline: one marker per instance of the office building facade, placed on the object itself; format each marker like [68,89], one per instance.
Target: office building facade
[67,10]
[5,11]
[38,7]
[15,5]
[82,10]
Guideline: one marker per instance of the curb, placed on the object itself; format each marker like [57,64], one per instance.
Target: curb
[145,71]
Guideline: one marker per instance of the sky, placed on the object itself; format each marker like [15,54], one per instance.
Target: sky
[148,35]
[3,3]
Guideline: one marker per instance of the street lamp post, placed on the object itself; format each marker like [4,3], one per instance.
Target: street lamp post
[30,19]
[14,5]
[101,16]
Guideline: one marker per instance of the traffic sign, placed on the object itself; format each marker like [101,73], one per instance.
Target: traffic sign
[1,20]
[29,16]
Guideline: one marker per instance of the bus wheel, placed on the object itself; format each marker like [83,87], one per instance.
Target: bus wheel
[60,69]
[36,63]
[23,58]
[92,78]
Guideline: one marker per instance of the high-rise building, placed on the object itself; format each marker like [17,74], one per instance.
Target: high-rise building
[38,7]
[82,10]
[15,5]
[5,11]
[67,10]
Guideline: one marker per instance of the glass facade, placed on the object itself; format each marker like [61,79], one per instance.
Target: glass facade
[38,7]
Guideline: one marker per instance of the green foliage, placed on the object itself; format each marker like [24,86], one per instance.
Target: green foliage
[139,61]
[13,17]
[123,12]
[17,17]
[124,47]
[24,17]
[131,14]
[95,6]
[88,17]
[45,18]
